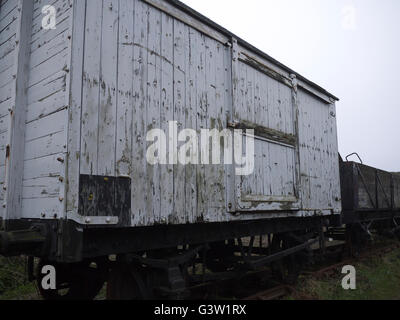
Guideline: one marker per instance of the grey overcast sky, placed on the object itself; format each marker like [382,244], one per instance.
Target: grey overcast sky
[349,47]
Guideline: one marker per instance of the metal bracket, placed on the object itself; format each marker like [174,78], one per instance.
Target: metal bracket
[277,256]
[92,220]
[354,154]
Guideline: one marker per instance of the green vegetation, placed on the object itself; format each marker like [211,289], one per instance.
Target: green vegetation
[378,278]
[14,284]
[13,281]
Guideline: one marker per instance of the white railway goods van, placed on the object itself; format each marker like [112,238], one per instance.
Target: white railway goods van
[87,93]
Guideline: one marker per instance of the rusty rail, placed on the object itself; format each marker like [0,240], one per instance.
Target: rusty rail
[271,294]
[281,291]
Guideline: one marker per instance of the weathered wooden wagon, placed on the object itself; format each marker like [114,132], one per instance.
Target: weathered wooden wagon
[78,101]
[368,191]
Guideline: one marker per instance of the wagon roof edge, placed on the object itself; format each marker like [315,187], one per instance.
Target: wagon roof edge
[247,45]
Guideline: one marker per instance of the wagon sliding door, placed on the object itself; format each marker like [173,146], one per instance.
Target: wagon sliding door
[265,100]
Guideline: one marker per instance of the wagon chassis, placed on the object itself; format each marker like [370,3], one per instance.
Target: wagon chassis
[156,259]
[149,250]
[68,242]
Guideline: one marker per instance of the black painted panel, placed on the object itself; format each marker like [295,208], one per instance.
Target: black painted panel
[105,196]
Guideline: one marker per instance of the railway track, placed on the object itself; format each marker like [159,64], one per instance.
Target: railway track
[271,294]
[280,291]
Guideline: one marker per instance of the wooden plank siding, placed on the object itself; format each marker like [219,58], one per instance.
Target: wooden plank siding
[368,189]
[113,70]
[161,70]
[267,103]
[142,68]
[47,113]
[319,160]
[9,19]
[396,190]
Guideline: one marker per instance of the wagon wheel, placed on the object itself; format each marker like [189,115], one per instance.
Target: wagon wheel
[287,269]
[221,256]
[127,282]
[79,281]
[356,239]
